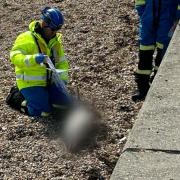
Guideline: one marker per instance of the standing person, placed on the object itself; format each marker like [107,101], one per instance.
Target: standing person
[28,55]
[158,18]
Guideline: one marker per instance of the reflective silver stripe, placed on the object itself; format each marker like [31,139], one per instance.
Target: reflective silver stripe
[148,47]
[12,53]
[60,71]
[140,2]
[44,114]
[63,58]
[146,72]
[30,78]
[24,103]
[19,76]
[27,60]
[59,106]
[160,45]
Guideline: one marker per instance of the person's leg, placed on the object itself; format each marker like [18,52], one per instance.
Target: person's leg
[58,98]
[61,102]
[37,101]
[146,51]
[166,21]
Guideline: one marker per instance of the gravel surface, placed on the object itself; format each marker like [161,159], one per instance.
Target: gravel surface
[100,37]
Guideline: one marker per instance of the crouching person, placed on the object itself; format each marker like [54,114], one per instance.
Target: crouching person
[33,77]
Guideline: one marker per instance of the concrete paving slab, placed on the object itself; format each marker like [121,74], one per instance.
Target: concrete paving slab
[147,165]
[158,122]
[153,147]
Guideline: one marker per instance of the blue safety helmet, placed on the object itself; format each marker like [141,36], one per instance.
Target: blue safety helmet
[53,17]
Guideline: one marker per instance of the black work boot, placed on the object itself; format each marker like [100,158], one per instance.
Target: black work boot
[142,87]
[159,57]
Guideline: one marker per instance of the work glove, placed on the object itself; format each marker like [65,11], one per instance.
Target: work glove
[40,58]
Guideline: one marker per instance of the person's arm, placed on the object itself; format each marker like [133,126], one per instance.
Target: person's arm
[62,63]
[140,6]
[19,55]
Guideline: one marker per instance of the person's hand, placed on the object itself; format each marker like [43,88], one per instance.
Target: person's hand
[40,58]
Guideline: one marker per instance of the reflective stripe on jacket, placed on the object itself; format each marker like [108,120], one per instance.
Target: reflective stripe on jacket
[22,55]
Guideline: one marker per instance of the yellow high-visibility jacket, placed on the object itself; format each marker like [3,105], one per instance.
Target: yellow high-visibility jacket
[22,55]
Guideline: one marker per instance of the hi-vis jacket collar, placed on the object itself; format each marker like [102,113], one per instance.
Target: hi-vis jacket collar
[34,24]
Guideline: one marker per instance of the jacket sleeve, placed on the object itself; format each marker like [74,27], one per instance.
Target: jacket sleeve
[62,63]
[140,6]
[178,10]
[20,54]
